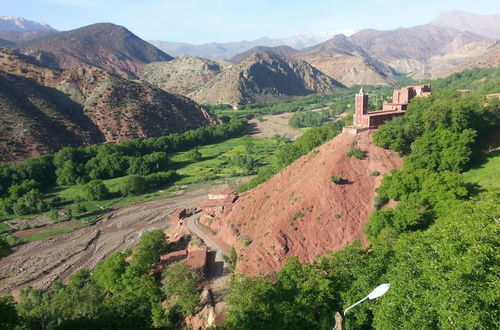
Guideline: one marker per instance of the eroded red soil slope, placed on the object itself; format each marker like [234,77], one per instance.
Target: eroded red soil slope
[300,212]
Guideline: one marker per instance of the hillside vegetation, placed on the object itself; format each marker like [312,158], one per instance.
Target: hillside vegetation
[439,239]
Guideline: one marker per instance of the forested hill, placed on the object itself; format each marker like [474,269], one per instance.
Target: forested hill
[485,81]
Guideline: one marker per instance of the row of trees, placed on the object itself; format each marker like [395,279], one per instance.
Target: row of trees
[309,118]
[116,295]
[21,184]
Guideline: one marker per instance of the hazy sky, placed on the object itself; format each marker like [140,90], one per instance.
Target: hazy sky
[199,21]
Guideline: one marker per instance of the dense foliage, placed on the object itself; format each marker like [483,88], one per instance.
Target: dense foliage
[437,246]
[21,184]
[116,295]
[484,81]
[309,118]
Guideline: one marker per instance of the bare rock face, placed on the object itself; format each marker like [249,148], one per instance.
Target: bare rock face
[483,54]
[300,212]
[183,75]
[347,63]
[103,45]
[44,109]
[265,76]
[407,49]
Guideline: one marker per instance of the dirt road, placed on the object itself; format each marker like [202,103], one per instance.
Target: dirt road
[41,262]
[207,237]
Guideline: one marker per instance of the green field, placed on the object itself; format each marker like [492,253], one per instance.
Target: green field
[486,175]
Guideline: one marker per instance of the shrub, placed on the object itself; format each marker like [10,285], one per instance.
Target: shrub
[134,185]
[356,153]
[336,179]
[95,190]
[375,173]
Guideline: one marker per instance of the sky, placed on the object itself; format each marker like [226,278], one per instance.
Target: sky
[200,21]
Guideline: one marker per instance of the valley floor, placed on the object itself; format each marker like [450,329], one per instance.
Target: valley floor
[41,262]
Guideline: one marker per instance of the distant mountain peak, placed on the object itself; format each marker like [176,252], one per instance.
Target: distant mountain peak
[105,45]
[18,24]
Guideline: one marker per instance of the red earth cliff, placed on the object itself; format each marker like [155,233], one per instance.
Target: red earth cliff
[300,212]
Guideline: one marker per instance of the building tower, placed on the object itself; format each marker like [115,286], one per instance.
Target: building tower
[361,107]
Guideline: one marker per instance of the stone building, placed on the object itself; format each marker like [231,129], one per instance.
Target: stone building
[218,202]
[363,119]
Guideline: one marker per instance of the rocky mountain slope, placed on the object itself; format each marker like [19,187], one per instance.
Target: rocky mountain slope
[103,45]
[262,77]
[6,43]
[44,109]
[8,23]
[183,75]
[485,25]
[481,54]
[300,212]
[280,50]
[407,49]
[23,36]
[347,63]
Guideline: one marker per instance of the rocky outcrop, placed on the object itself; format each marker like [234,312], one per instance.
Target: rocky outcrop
[407,49]
[300,212]
[265,76]
[183,75]
[347,63]
[44,109]
[481,54]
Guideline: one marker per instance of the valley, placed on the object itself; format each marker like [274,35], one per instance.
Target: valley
[267,183]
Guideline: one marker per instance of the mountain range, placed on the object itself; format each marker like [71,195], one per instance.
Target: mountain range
[102,83]
[265,76]
[105,45]
[227,50]
[485,25]
[18,24]
[43,109]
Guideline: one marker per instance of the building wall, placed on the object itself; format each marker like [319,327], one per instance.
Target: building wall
[375,121]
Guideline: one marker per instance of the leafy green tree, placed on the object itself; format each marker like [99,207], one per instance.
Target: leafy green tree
[134,185]
[108,273]
[151,245]
[444,278]
[245,161]
[181,287]
[95,190]
[8,313]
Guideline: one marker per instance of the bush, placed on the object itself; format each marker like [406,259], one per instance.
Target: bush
[336,179]
[134,185]
[356,153]
[95,190]
[375,173]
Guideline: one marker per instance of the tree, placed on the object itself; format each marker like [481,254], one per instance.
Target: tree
[151,245]
[8,313]
[444,278]
[95,190]
[108,273]
[181,287]
[134,185]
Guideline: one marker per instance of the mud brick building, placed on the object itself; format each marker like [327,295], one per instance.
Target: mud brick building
[400,99]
